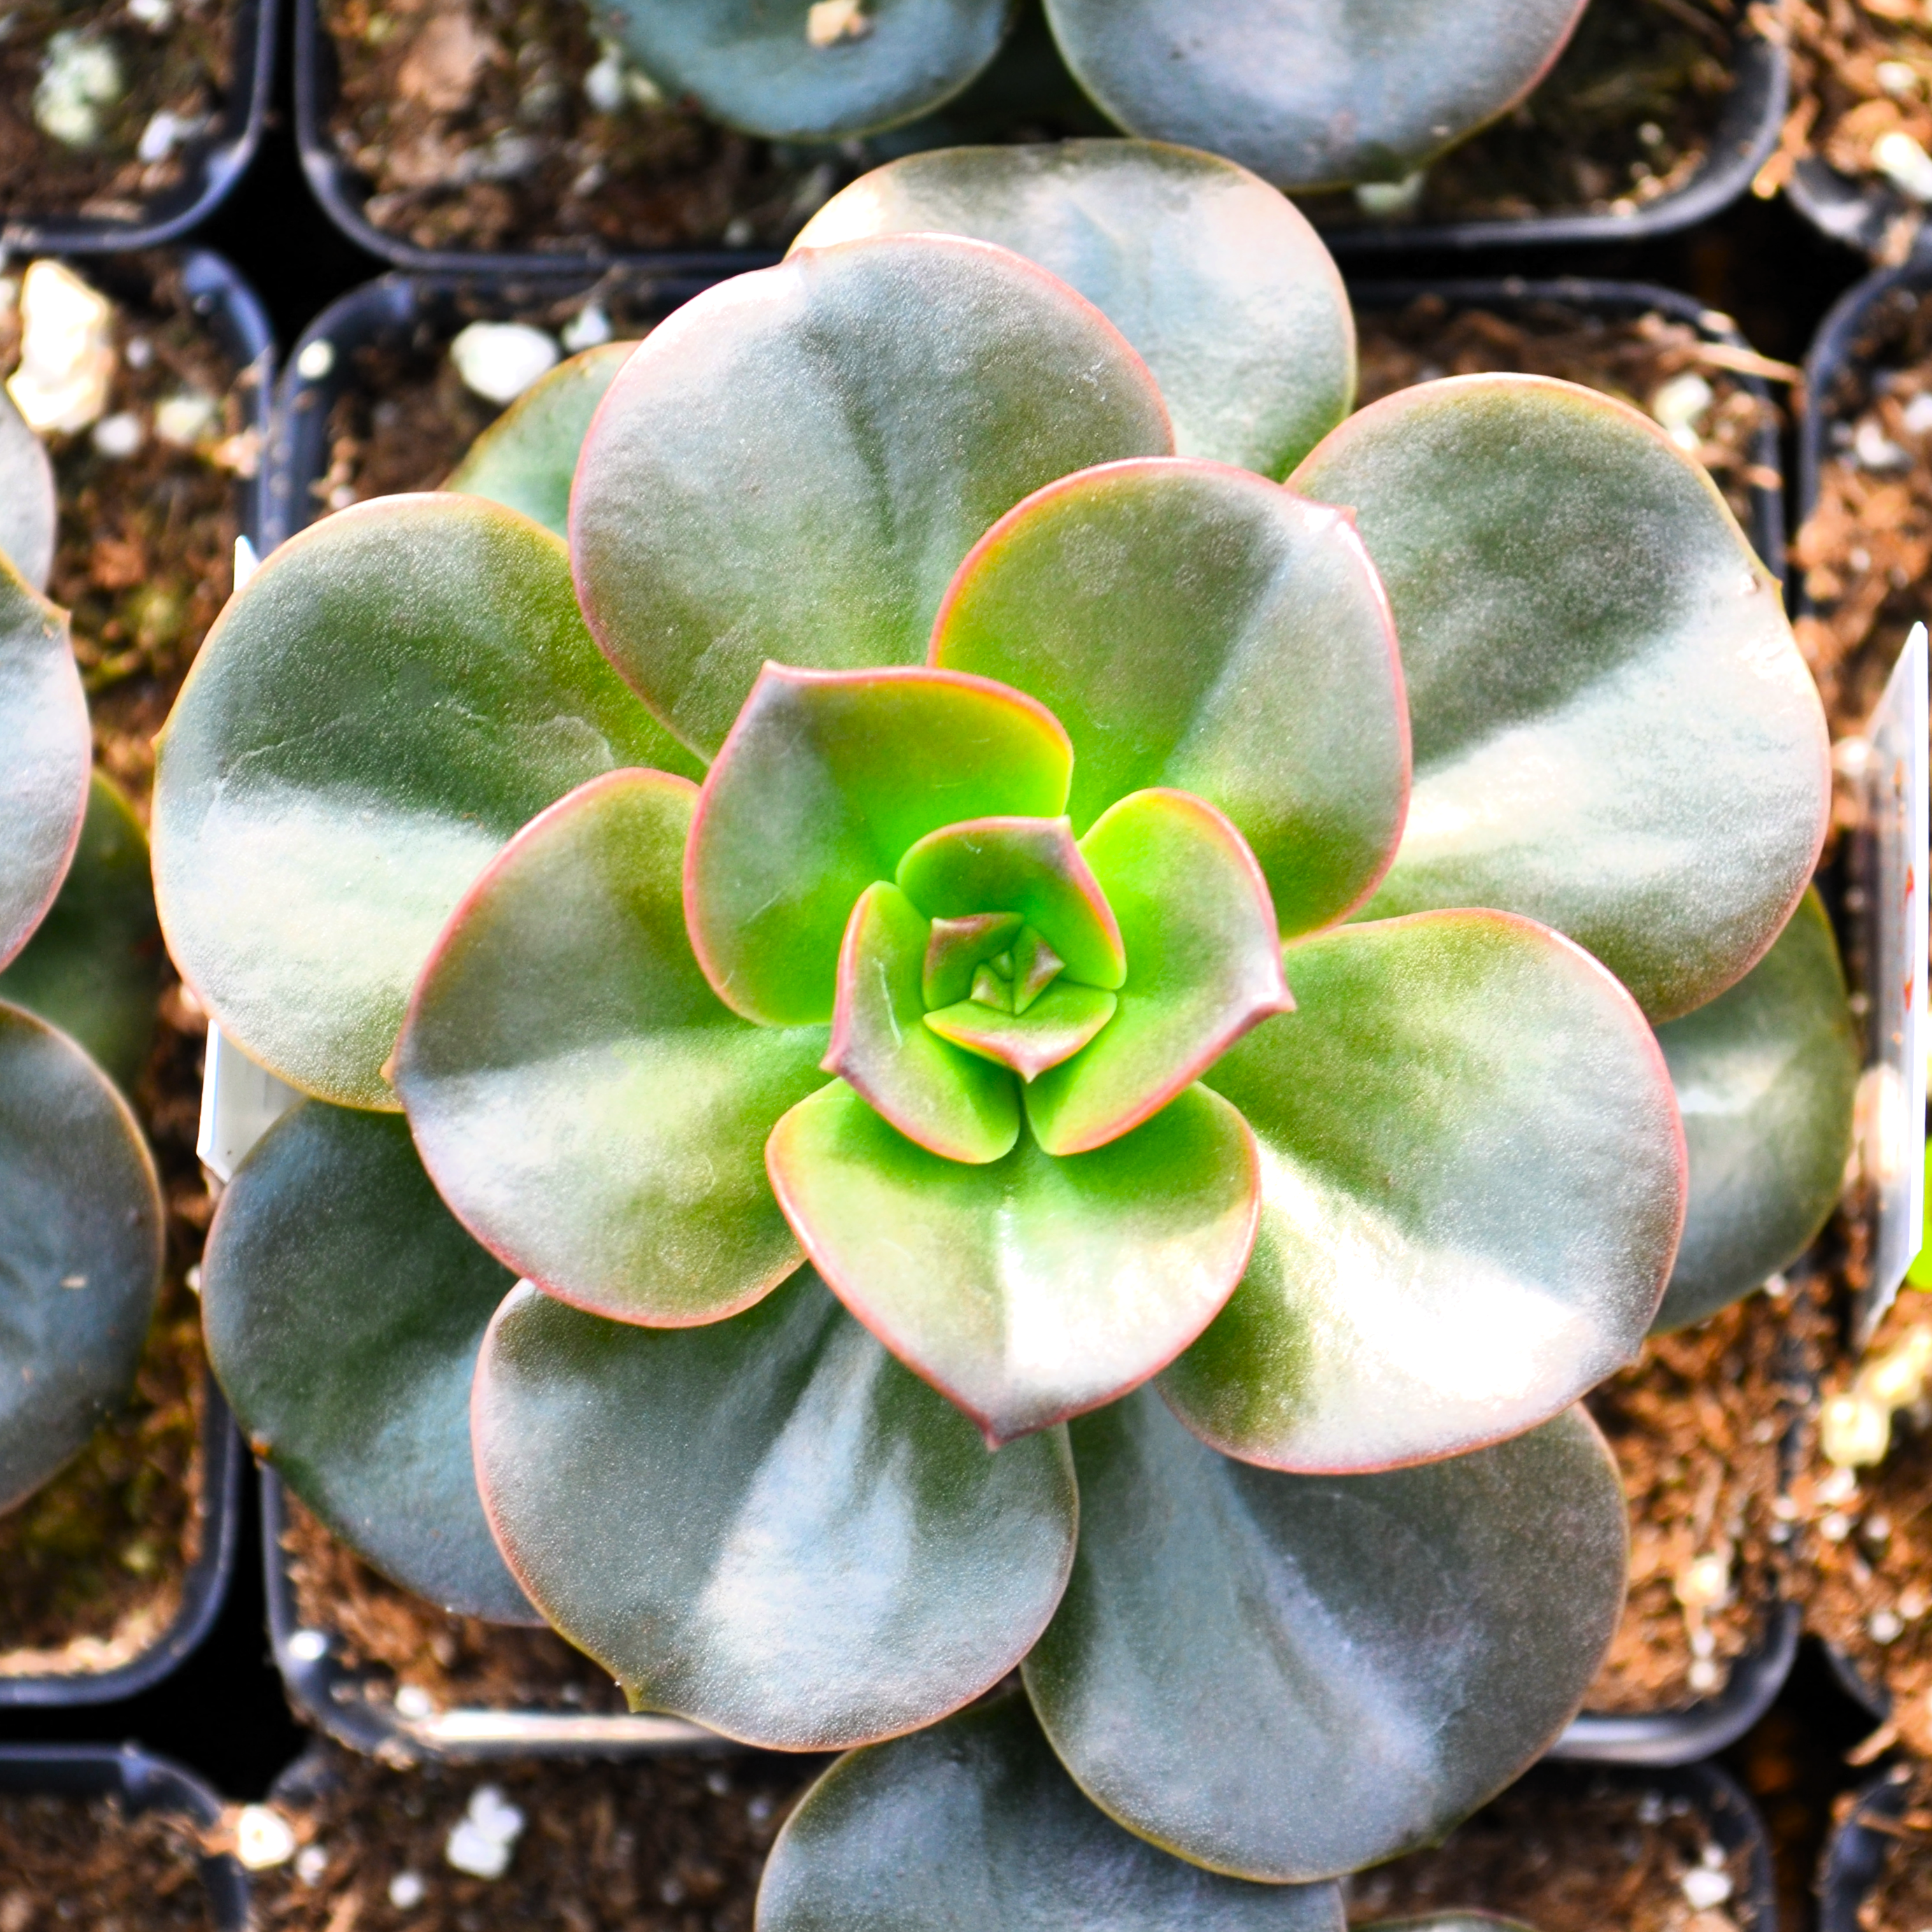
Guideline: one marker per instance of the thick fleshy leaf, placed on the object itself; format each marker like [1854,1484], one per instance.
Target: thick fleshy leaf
[1313,93]
[1218,281]
[592,1113]
[43,775]
[1057,1024]
[393,693]
[1765,1077]
[93,966]
[949,1101]
[975,1823]
[1031,1288]
[1194,627]
[826,779]
[792,466]
[80,1250]
[767,1524]
[343,1308]
[1472,1181]
[786,69]
[29,509]
[1031,866]
[1203,966]
[1291,1677]
[956,948]
[525,458]
[1614,731]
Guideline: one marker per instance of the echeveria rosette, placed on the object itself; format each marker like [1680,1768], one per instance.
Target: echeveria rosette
[929,910]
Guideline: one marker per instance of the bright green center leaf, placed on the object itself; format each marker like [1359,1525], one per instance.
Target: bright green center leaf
[1054,1027]
[1028,1288]
[955,949]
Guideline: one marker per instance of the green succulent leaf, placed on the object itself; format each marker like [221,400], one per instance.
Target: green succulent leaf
[1472,1183]
[43,779]
[80,1250]
[593,1113]
[1028,1289]
[1203,966]
[1289,1677]
[393,693]
[526,459]
[1054,1027]
[766,1524]
[1764,1075]
[956,1105]
[1247,327]
[783,71]
[29,508]
[1031,866]
[974,1823]
[792,466]
[1196,627]
[1614,731]
[343,1308]
[827,777]
[1315,93]
[93,966]
[956,948]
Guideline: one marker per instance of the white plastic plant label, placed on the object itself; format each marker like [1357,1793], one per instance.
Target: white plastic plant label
[240,1102]
[1892,1091]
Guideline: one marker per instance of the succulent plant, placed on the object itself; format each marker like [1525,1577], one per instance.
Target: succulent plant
[80,1212]
[1308,93]
[931,1051]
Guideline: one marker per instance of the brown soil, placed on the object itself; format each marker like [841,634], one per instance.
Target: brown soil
[91,1566]
[457,1662]
[1901,1899]
[71,1861]
[659,1845]
[182,67]
[1563,1856]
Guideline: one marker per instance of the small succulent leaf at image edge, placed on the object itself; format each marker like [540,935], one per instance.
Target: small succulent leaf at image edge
[396,691]
[1246,326]
[1287,1677]
[799,71]
[1195,628]
[93,966]
[1614,731]
[1204,965]
[1054,1026]
[1472,1180]
[1315,93]
[1766,1076]
[1030,1288]
[343,1308]
[526,459]
[29,507]
[975,1822]
[81,1231]
[765,1525]
[955,1104]
[591,1112]
[792,465]
[826,778]
[43,781]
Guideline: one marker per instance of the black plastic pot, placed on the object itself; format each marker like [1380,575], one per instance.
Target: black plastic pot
[1747,133]
[1855,1853]
[237,321]
[215,163]
[142,1782]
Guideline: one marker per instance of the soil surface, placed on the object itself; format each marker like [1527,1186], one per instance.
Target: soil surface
[81,1863]
[172,58]
[656,1845]
[92,1565]
[1566,1856]
[1901,1901]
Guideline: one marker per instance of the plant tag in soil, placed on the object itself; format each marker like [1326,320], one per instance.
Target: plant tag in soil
[240,1102]
[1892,1091]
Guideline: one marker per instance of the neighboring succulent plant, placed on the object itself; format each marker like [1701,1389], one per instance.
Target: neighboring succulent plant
[80,1211]
[1310,93]
[929,724]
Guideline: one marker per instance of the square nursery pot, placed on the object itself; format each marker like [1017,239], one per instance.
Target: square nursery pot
[212,162]
[234,318]
[1744,134]
[142,1783]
